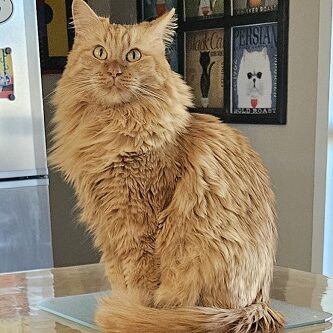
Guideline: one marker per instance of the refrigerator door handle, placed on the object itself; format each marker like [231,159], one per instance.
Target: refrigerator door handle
[24,183]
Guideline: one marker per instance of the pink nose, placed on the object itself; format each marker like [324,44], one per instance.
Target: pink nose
[115,69]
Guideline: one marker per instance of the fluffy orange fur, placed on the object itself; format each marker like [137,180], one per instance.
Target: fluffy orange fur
[179,204]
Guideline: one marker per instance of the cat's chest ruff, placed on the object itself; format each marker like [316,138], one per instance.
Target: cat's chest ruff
[135,187]
[139,181]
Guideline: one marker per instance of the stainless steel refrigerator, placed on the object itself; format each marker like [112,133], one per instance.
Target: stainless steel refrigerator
[25,228]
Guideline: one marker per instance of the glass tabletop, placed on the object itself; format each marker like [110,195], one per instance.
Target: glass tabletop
[21,292]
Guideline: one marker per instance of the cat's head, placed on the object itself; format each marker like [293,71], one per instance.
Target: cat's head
[204,58]
[115,64]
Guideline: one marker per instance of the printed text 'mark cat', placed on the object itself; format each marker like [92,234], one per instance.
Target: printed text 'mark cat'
[211,41]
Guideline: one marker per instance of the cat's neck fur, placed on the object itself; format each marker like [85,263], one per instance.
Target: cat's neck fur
[144,125]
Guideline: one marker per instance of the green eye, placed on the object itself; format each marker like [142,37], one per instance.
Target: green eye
[100,53]
[133,55]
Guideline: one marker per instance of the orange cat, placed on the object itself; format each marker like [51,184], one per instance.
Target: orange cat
[179,204]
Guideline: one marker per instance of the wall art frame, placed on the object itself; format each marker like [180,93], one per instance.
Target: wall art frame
[56,35]
[240,75]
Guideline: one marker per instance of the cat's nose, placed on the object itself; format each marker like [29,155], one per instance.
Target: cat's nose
[115,69]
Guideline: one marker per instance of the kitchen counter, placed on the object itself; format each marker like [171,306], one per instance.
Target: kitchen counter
[21,292]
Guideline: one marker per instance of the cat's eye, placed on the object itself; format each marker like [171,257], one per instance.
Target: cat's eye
[100,53]
[259,75]
[249,75]
[133,55]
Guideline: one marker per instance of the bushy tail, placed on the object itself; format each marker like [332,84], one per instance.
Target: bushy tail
[118,315]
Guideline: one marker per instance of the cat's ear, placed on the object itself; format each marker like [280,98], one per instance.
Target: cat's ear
[164,27]
[264,52]
[84,17]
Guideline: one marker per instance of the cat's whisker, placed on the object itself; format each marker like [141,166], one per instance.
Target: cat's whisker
[77,88]
[142,90]
[147,93]
[77,85]
[48,95]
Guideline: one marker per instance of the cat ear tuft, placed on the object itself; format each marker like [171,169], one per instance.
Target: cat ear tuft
[245,54]
[264,52]
[84,17]
[164,27]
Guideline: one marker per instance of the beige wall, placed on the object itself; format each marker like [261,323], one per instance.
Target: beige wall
[288,150]
[71,245]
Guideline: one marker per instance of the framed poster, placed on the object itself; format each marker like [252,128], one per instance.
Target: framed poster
[254,69]
[203,9]
[204,67]
[241,7]
[55,35]
[151,9]
[234,55]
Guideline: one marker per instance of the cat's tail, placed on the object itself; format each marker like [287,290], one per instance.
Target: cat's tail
[118,315]
[210,68]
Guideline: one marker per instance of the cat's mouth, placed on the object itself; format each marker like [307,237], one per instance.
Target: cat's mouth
[116,84]
[115,87]
[116,92]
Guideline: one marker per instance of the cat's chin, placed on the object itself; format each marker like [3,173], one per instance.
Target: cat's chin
[116,96]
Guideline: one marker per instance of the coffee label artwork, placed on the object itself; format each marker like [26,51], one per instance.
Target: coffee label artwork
[156,8]
[254,69]
[204,67]
[6,74]
[203,8]
[254,6]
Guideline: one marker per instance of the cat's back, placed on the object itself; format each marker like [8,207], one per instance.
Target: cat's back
[223,154]
[209,133]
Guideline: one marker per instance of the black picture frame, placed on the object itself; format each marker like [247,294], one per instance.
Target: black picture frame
[45,14]
[228,21]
